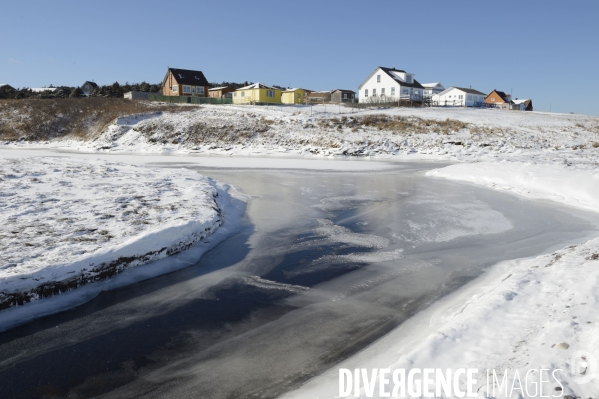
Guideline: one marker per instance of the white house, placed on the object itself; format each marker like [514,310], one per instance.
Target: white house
[390,84]
[432,88]
[459,96]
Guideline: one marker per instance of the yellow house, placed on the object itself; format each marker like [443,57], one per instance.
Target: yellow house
[293,96]
[256,93]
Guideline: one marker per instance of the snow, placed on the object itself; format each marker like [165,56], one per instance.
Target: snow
[518,316]
[68,222]
[561,183]
[322,132]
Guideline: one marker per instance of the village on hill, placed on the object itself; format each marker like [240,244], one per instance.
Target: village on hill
[382,87]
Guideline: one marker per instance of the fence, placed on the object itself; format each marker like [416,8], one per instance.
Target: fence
[190,100]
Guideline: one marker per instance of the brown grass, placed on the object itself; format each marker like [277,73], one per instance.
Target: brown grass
[403,124]
[36,119]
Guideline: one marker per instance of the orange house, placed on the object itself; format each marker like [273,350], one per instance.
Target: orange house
[499,99]
[184,82]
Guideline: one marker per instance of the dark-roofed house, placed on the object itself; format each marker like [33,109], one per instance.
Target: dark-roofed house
[390,84]
[88,86]
[340,96]
[498,99]
[459,97]
[184,82]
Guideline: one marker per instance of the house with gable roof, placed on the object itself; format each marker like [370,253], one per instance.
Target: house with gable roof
[390,84]
[459,97]
[498,99]
[88,86]
[257,93]
[184,82]
[432,88]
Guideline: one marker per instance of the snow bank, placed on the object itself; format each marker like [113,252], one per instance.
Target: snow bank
[68,222]
[561,183]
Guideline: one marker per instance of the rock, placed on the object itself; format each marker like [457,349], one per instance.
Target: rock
[564,346]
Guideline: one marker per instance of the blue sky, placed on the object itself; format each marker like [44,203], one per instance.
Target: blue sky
[544,50]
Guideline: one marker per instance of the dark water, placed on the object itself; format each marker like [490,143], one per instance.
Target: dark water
[325,264]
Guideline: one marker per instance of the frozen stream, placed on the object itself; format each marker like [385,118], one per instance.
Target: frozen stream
[327,263]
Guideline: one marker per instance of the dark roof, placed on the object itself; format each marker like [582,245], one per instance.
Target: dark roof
[388,72]
[500,94]
[189,77]
[92,84]
[344,91]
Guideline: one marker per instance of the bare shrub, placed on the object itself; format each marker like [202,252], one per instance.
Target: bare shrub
[37,119]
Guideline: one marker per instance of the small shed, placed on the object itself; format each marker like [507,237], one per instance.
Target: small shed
[220,92]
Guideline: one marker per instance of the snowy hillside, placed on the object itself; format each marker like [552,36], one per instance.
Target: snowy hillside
[68,222]
[430,133]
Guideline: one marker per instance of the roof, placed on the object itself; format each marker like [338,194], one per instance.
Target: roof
[42,89]
[521,101]
[344,91]
[219,88]
[500,94]
[294,89]
[257,85]
[189,77]
[389,71]
[428,85]
[469,91]
[92,84]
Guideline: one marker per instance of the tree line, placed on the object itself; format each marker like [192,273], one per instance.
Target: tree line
[115,90]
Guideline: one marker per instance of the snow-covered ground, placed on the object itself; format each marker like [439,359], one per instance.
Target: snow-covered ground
[68,222]
[524,314]
[459,134]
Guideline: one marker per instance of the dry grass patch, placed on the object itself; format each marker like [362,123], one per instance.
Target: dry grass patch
[407,124]
[36,119]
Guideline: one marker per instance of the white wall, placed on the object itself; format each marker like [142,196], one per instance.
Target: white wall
[387,83]
[452,97]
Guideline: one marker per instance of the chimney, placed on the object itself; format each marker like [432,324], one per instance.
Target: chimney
[245,83]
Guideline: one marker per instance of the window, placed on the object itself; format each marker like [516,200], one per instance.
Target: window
[200,90]
[383,91]
[378,78]
[416,92]
[409,78]
[181,76]
[235,94]
[492,98]
[461,97]
[468,97]
[186,89]
[405,91]
[374,92]
[270,93]
[393,91]
[366,93]
[243,94]
[345,95]
[175,88]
